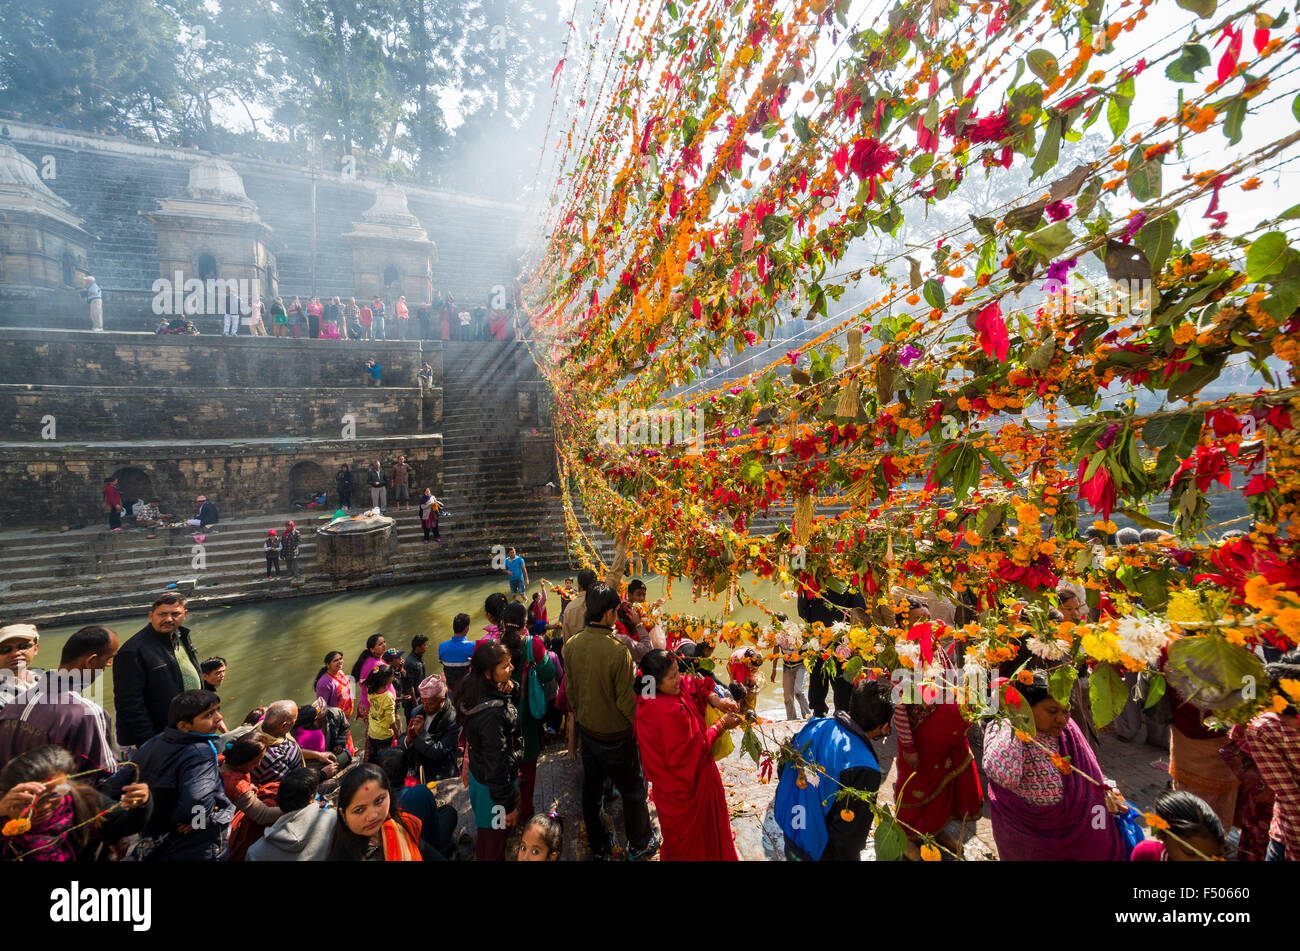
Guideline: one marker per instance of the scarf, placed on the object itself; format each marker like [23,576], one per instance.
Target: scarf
[401,843]
[49,836]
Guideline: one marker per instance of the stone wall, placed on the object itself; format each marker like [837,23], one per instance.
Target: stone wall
[109,180]
[69,358]
[84,413]
[55,485]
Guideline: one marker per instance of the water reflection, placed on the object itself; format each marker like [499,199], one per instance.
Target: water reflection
[273,649]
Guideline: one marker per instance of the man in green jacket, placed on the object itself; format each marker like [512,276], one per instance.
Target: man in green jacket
[599,681]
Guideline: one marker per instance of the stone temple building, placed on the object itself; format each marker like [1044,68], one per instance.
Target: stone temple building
[254,424]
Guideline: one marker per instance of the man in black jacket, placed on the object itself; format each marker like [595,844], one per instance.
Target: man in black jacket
[345,486]
[433,738]
[155,665]
[828,607]
[377,479]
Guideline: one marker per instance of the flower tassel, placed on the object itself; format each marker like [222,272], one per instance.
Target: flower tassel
[850,403]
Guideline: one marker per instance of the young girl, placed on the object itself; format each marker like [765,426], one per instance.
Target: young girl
[272,548]
[382,717]
[37,796]
[241,757]
[542,840]
[495,747]
[1191,823]
[371,826]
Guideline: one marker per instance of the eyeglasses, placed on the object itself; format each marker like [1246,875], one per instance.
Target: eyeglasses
[10,647]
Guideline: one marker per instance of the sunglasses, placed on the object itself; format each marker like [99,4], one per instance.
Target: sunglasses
[10,647]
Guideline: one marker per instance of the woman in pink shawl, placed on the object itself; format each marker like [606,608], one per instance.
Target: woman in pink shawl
[675,752]
[1040,813]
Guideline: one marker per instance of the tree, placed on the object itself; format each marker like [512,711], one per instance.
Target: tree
[104,66]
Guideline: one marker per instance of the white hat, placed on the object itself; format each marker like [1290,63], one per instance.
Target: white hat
[13,632]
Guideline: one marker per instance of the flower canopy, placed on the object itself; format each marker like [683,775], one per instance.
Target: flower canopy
[980,403]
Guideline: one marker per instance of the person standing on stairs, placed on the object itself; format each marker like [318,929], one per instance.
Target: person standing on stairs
[377,311]
[377,479]
[272,548]
[113,502]
[289,549]
[402,483]
[346,482]
[95,298]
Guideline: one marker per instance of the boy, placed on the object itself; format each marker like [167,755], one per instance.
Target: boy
[454,654]
[191,814]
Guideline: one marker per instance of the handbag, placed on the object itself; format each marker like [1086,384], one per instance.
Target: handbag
[1129,829]
[533,695]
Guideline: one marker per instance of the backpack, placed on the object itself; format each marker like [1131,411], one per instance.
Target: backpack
[533,697]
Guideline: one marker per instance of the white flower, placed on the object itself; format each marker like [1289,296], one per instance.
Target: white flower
[910,649]
[1050,649]
[1142,638]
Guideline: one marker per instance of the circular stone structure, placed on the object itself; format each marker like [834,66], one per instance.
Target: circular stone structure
[351,547]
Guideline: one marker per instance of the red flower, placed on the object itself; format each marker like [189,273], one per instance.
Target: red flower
[1099,491]
[870,158]
[992,330]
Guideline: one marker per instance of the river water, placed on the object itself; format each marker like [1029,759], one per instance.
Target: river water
[273,649]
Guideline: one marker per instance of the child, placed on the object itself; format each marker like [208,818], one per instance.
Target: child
[191,814]
[1191,823]
[743,667]
[383,712]
[542,840]
[272,548]
[241,757]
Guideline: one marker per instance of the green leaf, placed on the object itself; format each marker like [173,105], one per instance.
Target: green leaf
[1195,377]
[1061,683]
[1157,240]
[1155,690]
[1049,242]
[1117,116]
[933,292]
[1143,175]
[1282,303]
[1041,358]
[749,744]
[1050,149]
[1146,521]
[1183,430]
[1213,673]
[988,258]
[1235,117]
[1202,8]
[1295,108]
[1267,256]
[997,465]
[1043,64]
[1154,588]
[851,669]
[1191,60]
[1108,694]
[890,839]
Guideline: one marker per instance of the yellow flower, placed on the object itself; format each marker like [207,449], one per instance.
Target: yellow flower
[1280,705]
[1291,688]
[1260,594]
[930,853]
[1288,622]
[1184,332]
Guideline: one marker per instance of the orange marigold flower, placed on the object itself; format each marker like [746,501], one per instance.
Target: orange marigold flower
[1250,184]
[1154,821]
[1097,76]
[1062,763]
[1025,676]
[17,826]
[846,815]
[930,852]
[913,298]
[1155,151]
[1022,736]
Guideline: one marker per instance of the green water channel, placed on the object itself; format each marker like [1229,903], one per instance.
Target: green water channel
[273,649]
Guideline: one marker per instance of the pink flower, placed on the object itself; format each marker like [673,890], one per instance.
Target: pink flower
[1058,210]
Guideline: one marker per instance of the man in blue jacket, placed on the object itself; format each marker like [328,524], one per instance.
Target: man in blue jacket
[191,814]
[840,753]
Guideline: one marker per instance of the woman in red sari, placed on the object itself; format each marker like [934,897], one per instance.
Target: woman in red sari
[674,743]
[937,777]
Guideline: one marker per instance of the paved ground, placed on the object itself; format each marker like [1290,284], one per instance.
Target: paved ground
[1139,770]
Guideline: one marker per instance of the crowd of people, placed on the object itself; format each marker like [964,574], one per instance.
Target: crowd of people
[347,767]
[334,318]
